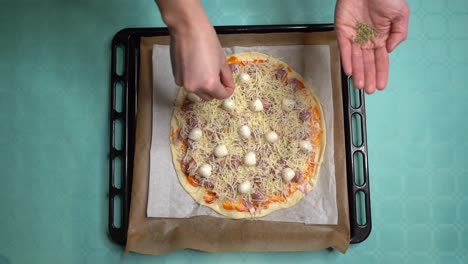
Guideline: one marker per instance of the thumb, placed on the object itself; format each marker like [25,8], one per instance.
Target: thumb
[398,33]
[227,83]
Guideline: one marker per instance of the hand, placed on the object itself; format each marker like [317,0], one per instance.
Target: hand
[198,61]
[369,64]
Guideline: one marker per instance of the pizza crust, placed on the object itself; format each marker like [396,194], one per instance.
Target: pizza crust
[198,193]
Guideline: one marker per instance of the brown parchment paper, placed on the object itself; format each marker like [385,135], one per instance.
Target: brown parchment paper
[163,235]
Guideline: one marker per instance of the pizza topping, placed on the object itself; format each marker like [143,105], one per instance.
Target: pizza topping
[305,146]
[244,78]
[287,174]
[195,134]
[282,162]
[244,131]
[187,106]
[271,137]
[191,167]
[193,97]
[205,170]
[288,104]
[250,207]
[234,67]
[192,144]
[207,184]
[256,105]
[229,105]
[240,145]
[280,74]
[236,161]
[302,187]
[305,115]
[221,151]
[267,106]
[245,187]
[298,176]
[257,196]
[250,159]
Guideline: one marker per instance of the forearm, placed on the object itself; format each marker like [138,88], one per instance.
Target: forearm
[182,14]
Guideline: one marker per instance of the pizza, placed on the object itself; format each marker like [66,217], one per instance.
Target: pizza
[253,153]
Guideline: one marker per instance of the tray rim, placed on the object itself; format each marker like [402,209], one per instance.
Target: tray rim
[129,40]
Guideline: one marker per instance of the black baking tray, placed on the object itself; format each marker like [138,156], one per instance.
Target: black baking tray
[123,110]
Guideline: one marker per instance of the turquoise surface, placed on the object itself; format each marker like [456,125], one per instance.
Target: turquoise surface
[54,98]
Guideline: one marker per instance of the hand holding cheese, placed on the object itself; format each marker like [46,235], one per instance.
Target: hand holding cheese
[198,61]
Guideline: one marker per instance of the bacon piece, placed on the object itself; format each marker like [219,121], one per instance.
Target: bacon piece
[280,74]
[257,180]
[234,67]
[302,187]
[298,176]
[187,106]
[267,105]
[262,163]
[305,115]
[207,184]
[192,122]
[257,196]
[191,167]
[250,207]
[191,144]
[236,161]
[282,162]
[183,133]
[292,83]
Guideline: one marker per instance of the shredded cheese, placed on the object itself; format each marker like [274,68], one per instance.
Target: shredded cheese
[221,127]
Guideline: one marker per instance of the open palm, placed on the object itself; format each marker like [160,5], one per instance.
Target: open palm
[369,63]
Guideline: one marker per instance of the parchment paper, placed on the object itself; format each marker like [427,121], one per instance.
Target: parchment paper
[150,235]
[167,197]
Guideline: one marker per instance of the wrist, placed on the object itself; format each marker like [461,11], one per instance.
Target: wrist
[181,15]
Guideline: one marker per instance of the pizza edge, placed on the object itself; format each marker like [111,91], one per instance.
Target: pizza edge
[197,193]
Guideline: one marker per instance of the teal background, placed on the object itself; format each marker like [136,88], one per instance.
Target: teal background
[54,99]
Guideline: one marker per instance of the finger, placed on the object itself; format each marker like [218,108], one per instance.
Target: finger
[205,96]
[381,65]
[345,51]
[218,90]
[177,78]
[358,66]
[226,78]
[398,33]
[369,70]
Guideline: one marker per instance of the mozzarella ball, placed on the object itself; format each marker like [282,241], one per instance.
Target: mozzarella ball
[256,105]
[305,146]
[193,97]
[205,170]
[244,77]
[244,131]
[250,159]
[196,134]
[271,137]
[287,174]
[229,105]
[288,104]
[221,151]
[245,187]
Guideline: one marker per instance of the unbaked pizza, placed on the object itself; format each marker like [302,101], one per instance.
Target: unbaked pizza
[256,152]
